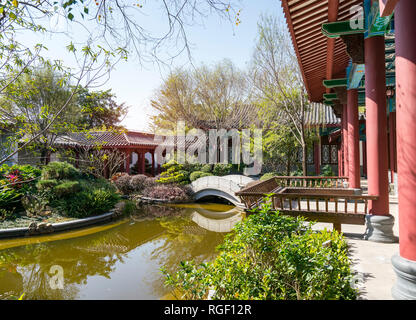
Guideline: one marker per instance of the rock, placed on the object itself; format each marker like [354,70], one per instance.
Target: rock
[45,213]
[32,228]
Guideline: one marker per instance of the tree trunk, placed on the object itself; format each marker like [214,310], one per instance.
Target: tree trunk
[288,165]
[304,160]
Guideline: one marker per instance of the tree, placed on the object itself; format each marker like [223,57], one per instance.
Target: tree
[32,100]
[278,81]
[98,109]
[205,98]
[109,29]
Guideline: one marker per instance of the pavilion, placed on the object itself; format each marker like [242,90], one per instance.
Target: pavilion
[362,53]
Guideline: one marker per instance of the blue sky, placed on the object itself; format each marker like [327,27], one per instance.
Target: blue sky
[135,83]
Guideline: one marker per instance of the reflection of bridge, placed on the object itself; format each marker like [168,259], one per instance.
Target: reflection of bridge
[223,187]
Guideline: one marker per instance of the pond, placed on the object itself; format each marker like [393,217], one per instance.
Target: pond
[121,260]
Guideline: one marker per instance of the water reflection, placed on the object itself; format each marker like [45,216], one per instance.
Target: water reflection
[120,261]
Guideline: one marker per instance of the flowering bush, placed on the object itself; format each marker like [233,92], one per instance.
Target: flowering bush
[122,183]
[171,193]
[15,182]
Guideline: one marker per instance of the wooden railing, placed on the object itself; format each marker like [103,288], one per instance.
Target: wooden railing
[336,208]
[311,181]
[251,195]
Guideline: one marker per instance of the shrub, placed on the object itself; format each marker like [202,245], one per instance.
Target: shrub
[123,183]
[269,256]
[48,184]
[60,171]
[327,171]
[198,174]
[222,169]
[138,182]
[88,203]
[268,175]
[66,188]
[15,182]
[171,193]
[174,173]
[206,168]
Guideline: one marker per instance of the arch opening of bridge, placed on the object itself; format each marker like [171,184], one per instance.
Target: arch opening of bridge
[224,188]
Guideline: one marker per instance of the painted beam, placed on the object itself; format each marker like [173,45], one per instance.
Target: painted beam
[375,25]
[339,28]
[355,74]
[332,83]
[387,7]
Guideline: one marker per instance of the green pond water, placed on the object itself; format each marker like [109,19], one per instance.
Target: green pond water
[121,260]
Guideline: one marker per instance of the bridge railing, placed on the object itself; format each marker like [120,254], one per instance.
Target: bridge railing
[251,195]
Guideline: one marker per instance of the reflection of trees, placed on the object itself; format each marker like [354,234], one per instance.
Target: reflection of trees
[80,258]
[26,268]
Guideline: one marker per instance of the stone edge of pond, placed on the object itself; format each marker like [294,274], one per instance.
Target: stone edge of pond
[59,226]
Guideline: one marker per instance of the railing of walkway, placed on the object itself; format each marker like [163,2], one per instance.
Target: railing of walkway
[251,195]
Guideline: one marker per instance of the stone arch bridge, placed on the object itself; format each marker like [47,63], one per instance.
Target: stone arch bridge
[223,187]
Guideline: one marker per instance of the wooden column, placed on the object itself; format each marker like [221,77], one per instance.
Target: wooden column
[376,124]
[153,163]
[142,162]
[406,118]
[345,138]
[392,145]
[353,140]
[405,264]
[128,160]
[317,156]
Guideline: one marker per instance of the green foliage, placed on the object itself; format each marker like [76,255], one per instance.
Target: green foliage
[268,175]
[198,174]
[15,182]
[46,185]
[327,171]
[59,171]
[269,256]
[88,202]
[206,168]
[174,173]
[99,109]
[222,169]
[66,188]
[72,194]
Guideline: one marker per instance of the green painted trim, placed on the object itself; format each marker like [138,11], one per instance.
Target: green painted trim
[340,28]
[333,83]
[330,96]
[329,102]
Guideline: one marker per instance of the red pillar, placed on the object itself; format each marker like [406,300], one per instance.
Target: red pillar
[365,159]
[316,157]
[128,159]
[340,173]
[153,163]
[353,140]
[345,138]
[405,24]
[392,145]
[405,264]
[142,162]
[376,124]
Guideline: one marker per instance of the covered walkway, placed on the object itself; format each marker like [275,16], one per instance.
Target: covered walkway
[371,260]
[362,53]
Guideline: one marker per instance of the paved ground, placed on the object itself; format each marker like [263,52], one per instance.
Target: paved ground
[371,260]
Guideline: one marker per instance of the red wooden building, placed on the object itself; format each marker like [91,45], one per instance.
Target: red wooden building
[362,53]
